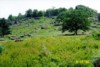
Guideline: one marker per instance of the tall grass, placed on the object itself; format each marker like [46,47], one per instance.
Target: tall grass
[47,51]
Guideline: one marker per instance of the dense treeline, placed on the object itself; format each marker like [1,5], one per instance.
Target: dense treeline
[36,14]
[49,13]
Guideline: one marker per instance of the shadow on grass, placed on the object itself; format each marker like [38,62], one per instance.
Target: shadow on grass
[70,34]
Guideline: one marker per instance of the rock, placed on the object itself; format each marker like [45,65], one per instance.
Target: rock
[56,24]
[11,37]
[21,36]
[94,26]
[44,27]
[18,40]
[2,39]
[52,22]
[29,35]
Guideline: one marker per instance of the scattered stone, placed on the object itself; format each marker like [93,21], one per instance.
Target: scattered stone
[94,26]
[21,36]
[18,40]
[11,37]
[56,24]
[29,35]
[2,39]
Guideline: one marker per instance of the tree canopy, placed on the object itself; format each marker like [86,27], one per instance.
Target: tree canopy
[29,13]
[86,9]
[75,20]
[4,27]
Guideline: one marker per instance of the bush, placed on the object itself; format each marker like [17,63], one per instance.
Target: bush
[96,35]
[1,49]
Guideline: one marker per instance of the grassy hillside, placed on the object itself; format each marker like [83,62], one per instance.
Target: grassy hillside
[41,44]
[56,37]
[32,26]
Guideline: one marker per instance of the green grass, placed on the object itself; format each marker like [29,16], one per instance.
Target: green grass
[31,26]
[50,51]
[47,47]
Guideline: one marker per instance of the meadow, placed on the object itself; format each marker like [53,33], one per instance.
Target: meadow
[55,51]
[47,46]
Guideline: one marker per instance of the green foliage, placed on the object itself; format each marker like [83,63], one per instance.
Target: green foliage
[48,13]
[40,14]
[96,35]
[1,49]
[75,20]
[44,46]
[87,10]
[47,51]
[20,16]
[10,18]
[60,17]
[54,12]
[4,27]
[29,13]
[35,13]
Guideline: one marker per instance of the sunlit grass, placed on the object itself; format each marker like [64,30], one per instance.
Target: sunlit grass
[49,50]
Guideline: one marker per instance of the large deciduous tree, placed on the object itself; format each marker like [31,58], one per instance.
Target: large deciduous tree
[75,20]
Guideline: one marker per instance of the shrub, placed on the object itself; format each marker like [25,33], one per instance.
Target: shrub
[96,46]
[1,49]
[96,35]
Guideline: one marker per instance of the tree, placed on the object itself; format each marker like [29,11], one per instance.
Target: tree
[60,17]
[48,13]
[20,16]
[10,18]
[35,13]
[99,17]
[4,27]
[75,20]
[51,12]
[86,9]
[29,13]
[40,13]
[59,10]
[62,14]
